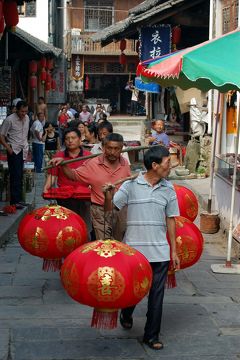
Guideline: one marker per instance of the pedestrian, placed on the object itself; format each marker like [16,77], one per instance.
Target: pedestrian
[85,116]
[134,97]
[41,107]
[152,207]
[91,134]
[103,129]
[13,136]
[37,141]
[63,119]
[109,166]
[72,140]
[159,136]
[51,138]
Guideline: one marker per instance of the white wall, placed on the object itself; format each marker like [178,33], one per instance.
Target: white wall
[38,25]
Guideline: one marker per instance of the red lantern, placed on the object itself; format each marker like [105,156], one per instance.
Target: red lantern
[53,84]
[51,232]
[33,82]
[43,62]
[10,13]
[49,64]
[187,202]
[33,67]
[122,59]
[176,35]
[47,86]
[49,77]
[107,275]
[189,242]
[43,76]
[123,44]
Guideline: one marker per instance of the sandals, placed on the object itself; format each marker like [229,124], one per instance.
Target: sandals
[126,323]
[153,344]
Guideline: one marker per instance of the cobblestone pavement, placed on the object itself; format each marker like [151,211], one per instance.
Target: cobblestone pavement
[38,321]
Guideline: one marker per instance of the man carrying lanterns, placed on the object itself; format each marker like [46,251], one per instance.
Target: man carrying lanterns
[152,207]
[95,173]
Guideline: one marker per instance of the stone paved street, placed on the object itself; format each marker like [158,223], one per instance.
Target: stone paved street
[38,321]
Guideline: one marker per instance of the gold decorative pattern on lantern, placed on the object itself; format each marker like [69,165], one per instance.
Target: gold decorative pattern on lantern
[110,284]
[126,249]
[180,221]
[67,238]
[184,251]
[141,284]
[37,240]
[70,279]
[89,247]
[53,210]
[191,207]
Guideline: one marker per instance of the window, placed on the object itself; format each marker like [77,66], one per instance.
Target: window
[229,15]
[28,9]
[98,14]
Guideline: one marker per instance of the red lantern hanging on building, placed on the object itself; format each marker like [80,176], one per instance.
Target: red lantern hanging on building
[10,13]
[122,59]
[123,44]
[187,202]
[33,67]
[43,76]
[176,36]
[53,85]
[49,64]
[43,62]
[33,82]
[49,77]
[51,232]
[107,275]
[47,86]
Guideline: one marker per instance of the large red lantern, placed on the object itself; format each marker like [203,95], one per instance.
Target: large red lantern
[187,202]
[123,44]
[189,242]
[122,59]
[107,275]
[51,232]
[10,13]
[33,82]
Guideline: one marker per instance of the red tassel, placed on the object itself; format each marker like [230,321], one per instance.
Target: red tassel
[52,264]
[104,318]
[171,280]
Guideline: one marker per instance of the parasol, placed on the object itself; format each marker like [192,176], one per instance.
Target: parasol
[213,64]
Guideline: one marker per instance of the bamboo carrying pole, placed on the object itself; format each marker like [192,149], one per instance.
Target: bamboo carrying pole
[135,148]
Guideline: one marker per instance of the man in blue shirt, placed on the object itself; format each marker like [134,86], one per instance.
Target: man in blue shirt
[152,207]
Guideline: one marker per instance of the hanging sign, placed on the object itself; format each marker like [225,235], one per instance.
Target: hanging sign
[77,67]
[155,41]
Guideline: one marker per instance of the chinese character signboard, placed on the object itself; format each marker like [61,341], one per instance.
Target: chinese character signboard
[155,41]
[59,95]
[77,67]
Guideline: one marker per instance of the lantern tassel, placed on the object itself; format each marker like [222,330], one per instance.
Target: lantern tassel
[171,279]
[104,319]
[52,264]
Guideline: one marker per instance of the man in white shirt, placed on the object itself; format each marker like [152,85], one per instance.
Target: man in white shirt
[37,143]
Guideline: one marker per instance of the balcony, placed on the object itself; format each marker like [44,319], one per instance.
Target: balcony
[83,45]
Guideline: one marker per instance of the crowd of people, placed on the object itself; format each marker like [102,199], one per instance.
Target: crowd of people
[141,210]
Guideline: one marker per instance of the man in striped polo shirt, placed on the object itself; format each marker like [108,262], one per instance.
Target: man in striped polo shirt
[152,207]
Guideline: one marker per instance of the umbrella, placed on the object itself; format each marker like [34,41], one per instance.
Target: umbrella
[213,64]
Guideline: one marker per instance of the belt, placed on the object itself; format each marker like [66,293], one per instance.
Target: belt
[92,203]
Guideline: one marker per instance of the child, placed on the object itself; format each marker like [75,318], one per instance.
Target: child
[159,136]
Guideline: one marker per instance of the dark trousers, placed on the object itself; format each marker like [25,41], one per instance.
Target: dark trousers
[134,107]
[37,150]
[15,167]
[155,301]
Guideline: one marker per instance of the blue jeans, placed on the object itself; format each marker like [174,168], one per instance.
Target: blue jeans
[37,150]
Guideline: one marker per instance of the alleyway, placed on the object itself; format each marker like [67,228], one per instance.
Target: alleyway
[38,321]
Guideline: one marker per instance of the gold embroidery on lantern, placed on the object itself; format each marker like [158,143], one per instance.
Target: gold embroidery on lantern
[111,284]
[55,211]
[184,251]
[67,238]
[141,284]
[37,240]
[70,279]
[191,208]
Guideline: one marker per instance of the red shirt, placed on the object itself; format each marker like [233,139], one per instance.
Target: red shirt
[97,172]
[62,180]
